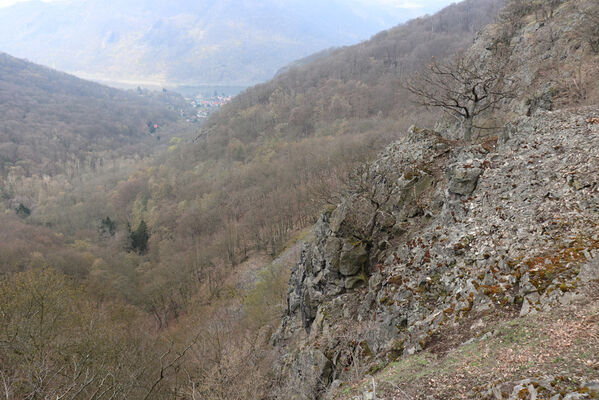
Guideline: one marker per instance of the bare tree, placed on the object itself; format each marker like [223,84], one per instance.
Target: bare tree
[550,6]
[462,88]
[589,28]
[514,10]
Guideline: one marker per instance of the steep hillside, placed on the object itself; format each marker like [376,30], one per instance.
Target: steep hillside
[51,119]
[361,82]
[466,270]
[439,236]
[186,42]
[551,51]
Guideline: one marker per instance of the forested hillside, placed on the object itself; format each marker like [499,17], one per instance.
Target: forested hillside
[288,145]
[357,82]
[52,121]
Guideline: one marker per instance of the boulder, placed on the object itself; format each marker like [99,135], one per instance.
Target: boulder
[463,180]
[353,217]
[353,258]
[592,387]
[312,368]
[332,250]
[589,272]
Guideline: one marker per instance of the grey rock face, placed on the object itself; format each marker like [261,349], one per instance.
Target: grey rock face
[332,253]
[311,372]
[548,387]
[353,217]
[590,271]
[444,231]
[353,258]
[464,179]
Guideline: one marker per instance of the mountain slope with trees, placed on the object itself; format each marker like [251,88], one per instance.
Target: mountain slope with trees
[52,121]
[458,265]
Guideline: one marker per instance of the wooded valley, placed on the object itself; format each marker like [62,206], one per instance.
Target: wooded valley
[136,261]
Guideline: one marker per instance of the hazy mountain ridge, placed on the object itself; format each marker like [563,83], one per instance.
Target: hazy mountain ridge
[229,42]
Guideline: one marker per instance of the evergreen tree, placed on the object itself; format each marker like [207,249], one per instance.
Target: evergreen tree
[23,211]
[151,127]
[107,227]
[139,238]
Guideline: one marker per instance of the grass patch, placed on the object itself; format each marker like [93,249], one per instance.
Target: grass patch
[559,343]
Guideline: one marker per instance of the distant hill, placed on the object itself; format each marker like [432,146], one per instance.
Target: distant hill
[229,42]
[50,119]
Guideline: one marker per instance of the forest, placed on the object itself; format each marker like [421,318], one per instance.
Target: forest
[137,264]
[53,122]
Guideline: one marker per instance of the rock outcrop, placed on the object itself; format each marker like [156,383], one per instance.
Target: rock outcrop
[435,230]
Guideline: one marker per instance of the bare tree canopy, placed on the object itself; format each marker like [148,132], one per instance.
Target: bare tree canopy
[462,88]
[589,28]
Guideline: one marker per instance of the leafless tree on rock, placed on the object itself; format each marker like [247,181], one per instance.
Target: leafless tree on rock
[462,88]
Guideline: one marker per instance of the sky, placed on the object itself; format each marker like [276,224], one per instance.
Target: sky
[416,4]
[6,3]
[407,4]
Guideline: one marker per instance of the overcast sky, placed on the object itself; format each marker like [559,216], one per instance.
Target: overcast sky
[408,4]
[6,3]
[416,4]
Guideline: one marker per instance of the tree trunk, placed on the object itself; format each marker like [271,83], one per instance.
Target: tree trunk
[468,124]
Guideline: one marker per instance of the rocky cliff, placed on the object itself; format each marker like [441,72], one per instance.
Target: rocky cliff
[437,233]
[509,225]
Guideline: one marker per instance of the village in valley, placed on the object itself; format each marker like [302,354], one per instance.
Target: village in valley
[193,105]
[205,105]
